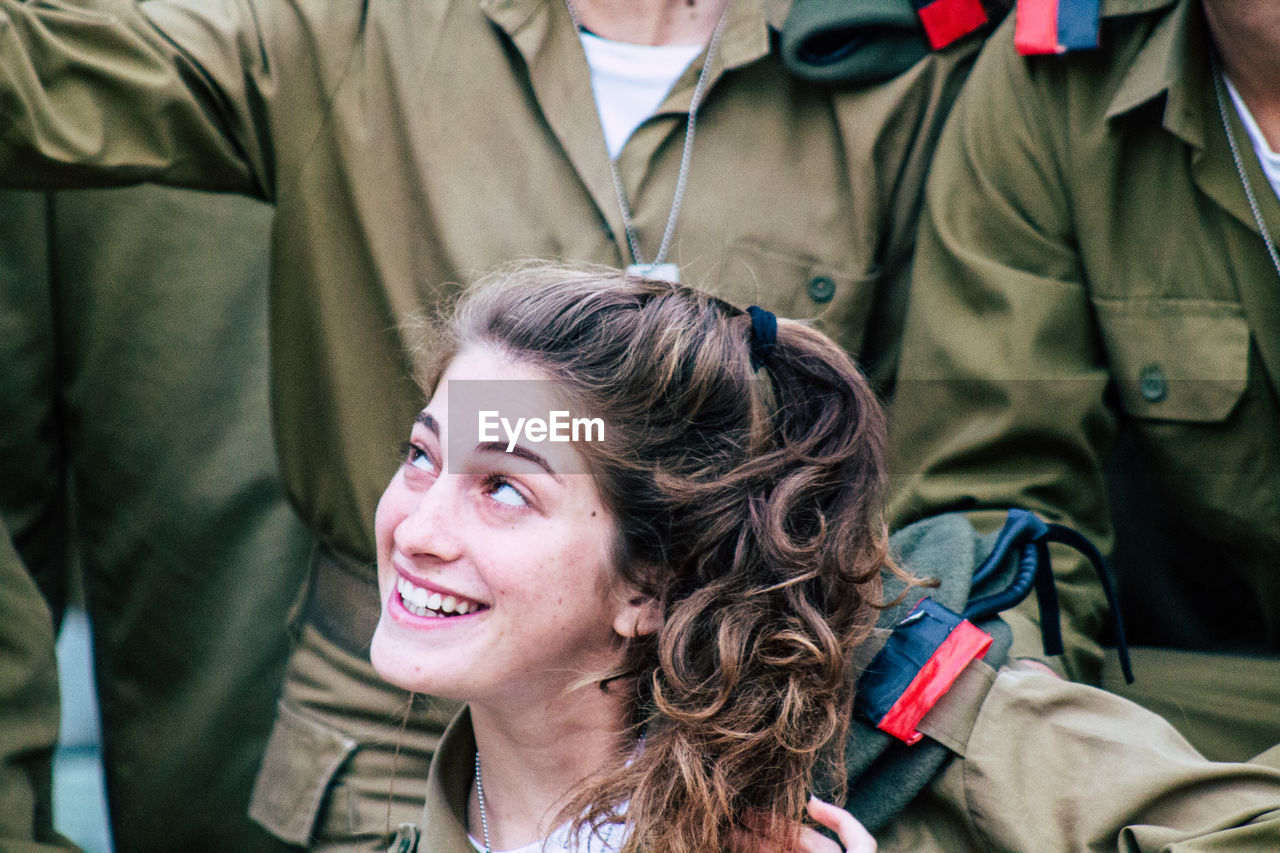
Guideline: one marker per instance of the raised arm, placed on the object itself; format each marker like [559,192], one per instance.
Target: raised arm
[191,92]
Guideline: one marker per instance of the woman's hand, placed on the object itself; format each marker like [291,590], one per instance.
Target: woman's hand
[853,835]
[854,838]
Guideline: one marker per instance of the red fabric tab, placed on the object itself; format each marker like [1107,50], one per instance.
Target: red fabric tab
[965,642]
[947,20]
[1035,27]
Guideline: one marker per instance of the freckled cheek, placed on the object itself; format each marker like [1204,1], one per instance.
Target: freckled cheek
[396,503]
[383,529]
[389,515]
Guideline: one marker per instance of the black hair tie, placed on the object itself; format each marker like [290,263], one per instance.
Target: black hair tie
[764,336]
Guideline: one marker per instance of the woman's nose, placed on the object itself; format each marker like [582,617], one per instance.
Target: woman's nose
[431,528]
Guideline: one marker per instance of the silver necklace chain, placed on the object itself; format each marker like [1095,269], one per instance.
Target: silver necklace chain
[686,155]
[484,818]
[484,815]
[1219,89]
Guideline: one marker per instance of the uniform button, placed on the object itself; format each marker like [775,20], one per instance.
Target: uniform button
[821,288]
[1152,384]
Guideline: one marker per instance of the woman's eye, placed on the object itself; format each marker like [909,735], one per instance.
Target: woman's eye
[418,458]
[506,494]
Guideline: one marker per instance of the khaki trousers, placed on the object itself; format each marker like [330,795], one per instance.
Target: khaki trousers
[28,710]
[135,441]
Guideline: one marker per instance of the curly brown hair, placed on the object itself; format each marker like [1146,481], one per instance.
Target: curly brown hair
[748,506]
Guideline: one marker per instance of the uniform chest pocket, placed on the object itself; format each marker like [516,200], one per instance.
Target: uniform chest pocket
[1176,359]
[800,288]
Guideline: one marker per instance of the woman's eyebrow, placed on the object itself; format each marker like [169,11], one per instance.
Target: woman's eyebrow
[428,421]
[522,452]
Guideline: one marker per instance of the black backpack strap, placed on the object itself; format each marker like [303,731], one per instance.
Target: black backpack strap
[931,646]
[1028,537]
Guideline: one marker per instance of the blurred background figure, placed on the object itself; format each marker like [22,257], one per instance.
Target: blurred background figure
[1093,335]
[135,451]
[28,709]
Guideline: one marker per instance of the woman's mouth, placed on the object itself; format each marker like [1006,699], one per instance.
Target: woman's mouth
[424,602]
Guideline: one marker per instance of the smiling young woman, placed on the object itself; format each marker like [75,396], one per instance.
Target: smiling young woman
[650,625]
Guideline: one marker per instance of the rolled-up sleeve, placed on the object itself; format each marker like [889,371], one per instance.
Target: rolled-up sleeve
[1052,765]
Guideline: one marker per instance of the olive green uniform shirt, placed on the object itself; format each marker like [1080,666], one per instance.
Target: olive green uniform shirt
[1049,766]
[1094,329]
[407,145]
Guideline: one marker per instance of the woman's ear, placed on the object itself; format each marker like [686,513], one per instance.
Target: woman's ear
[638,615]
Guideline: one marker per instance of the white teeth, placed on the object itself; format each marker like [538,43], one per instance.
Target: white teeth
[422,602]
[421,611]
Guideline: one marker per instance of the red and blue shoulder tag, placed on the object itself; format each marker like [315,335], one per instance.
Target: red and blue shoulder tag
[1055,26]
[924,656]
[946,21]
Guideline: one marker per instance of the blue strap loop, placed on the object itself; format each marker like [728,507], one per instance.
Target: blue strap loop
[764,336]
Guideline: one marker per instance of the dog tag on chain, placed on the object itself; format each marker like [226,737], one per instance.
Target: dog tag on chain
[657,272]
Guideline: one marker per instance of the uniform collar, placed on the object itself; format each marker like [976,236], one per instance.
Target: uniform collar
[746,37]
[444,814]
[542,32]
[1173,62]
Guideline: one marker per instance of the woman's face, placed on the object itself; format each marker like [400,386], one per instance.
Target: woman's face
[493,564]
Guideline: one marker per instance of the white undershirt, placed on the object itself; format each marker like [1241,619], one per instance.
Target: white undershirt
[608,839]
[1269,159]
[630,82]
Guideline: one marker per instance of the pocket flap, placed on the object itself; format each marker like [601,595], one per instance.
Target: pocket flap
[1176,359]
[799,287]
[302,756]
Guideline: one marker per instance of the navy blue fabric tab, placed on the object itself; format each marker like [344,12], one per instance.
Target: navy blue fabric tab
[1078,24]
[912,643]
